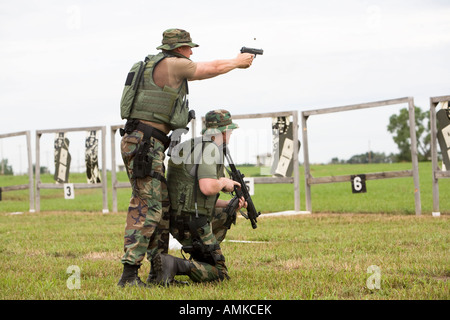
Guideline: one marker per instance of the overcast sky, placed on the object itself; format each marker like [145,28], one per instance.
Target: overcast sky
[63,64]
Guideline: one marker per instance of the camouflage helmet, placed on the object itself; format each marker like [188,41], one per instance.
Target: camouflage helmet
[217,121]
[175,38]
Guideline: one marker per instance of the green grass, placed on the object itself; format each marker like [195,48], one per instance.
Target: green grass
[320,256]
[383,196]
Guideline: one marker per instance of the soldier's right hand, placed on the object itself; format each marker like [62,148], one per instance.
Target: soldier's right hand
[228,184]
[244,60]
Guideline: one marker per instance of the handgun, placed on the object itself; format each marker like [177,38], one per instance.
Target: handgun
[252,51]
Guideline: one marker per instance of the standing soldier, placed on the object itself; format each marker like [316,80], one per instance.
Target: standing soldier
[199,220]
[154,102]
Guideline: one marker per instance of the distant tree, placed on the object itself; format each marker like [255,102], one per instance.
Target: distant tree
[335,160]
[372,157]
[5,169]
[399,127]
[43,169]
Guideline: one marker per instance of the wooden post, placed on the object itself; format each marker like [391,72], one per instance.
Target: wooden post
[295,160]
[434,160]
[104,175]
[38,173]
[30,173]
[414,153]
[306,163]
[437,173]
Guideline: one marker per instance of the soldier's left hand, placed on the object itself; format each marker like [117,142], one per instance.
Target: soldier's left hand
[242,203]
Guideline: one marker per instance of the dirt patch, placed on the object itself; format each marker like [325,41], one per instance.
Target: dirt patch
[109,256]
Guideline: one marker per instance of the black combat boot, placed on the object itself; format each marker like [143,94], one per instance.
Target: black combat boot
[151,279]
[130,277]
[151,276]
[167,267]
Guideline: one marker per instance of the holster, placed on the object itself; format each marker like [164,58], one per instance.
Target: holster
[142,162]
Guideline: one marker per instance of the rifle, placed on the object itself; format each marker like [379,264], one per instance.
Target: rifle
[237,176]
[252,51]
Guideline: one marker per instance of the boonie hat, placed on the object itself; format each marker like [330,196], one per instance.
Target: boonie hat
[217,121]
[175,38]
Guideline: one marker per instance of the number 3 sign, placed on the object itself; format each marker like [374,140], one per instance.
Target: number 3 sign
[358,183]
[69,192]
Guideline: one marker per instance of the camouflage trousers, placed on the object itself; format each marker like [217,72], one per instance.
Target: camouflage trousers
[147,224]
[212,233]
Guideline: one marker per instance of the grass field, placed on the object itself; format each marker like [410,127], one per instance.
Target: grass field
[383,196]
[320,256]
[325,255]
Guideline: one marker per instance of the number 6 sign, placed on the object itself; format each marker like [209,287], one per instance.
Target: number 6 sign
[359,183]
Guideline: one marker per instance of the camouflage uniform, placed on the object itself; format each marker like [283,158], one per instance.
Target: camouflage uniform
[210,225]
[147,223]
[175,38]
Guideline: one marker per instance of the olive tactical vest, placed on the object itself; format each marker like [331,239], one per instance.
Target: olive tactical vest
[143,99]
[181,183]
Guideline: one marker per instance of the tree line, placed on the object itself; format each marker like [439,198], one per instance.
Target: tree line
[399,127]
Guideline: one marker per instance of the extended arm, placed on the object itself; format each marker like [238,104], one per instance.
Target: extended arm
[206,70]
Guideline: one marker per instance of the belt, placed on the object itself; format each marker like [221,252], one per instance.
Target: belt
[148,130]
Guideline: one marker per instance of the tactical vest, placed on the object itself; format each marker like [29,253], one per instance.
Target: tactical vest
[182,183]
[143,99]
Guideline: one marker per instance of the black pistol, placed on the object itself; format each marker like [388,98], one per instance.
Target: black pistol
[252,51]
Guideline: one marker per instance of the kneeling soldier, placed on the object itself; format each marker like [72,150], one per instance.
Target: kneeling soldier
[198,219]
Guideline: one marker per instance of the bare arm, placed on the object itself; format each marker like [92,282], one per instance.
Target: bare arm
[209,186]
[206,70]
[223,203]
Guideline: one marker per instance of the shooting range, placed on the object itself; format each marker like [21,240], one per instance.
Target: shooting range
[63,159]
[281,158]
[343,144]
[310,180]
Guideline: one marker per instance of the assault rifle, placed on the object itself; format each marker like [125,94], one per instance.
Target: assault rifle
[252,51]
[237,176]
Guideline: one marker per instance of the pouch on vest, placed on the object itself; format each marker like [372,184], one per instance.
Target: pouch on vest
[129,92]
[179,118]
